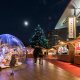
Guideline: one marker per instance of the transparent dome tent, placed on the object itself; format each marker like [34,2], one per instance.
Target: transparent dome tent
[11,40]
[10,45]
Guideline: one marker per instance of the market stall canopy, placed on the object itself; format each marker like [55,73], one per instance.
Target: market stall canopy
[72,9]
[74,41]
[78,37]
[60,43]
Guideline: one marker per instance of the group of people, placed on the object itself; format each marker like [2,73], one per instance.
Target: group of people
[38,54]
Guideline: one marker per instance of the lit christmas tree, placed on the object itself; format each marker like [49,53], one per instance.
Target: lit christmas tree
[39,38]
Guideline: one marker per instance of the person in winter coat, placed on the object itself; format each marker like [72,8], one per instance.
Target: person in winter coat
[37,53]
[12,63]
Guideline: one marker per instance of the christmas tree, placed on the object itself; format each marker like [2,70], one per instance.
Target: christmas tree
[39,38]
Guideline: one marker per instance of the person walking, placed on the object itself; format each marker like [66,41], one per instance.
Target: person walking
[37,53]
[12,63]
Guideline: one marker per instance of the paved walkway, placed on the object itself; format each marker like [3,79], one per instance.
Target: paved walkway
[31,71]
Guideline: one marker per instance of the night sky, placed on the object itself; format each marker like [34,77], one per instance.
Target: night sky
[13,13]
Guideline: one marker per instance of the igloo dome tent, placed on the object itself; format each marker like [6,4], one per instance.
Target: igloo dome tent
[11,40]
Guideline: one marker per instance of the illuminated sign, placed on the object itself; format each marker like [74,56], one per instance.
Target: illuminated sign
[72,27]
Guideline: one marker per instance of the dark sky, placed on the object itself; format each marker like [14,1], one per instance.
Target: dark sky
[44,12]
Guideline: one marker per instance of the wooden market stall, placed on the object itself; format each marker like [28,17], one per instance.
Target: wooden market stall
[73,53]
[76,44]
[29,53]
[52,52]
[65,52]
